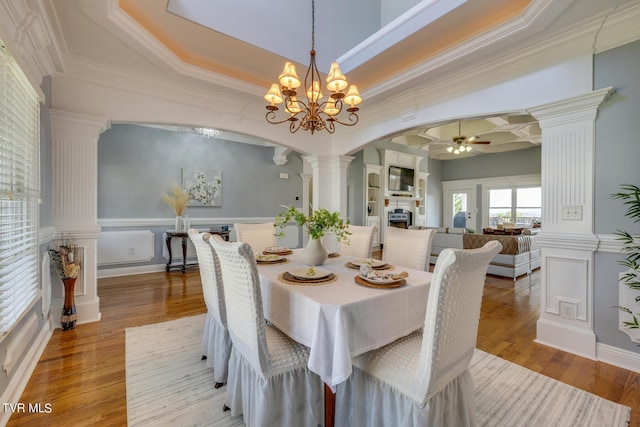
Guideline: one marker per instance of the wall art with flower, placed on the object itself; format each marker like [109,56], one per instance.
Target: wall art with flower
[203,186]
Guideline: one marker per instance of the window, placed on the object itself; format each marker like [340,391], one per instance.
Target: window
[519,206]
[19,191]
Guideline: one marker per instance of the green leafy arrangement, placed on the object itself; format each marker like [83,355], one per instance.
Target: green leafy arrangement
[631,196]
[320,221]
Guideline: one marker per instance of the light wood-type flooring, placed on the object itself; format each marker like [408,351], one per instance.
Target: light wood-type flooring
[81,373]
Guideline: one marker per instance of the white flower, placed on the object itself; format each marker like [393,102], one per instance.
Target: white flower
[199,190]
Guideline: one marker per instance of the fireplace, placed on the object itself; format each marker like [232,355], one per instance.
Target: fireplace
[400,218]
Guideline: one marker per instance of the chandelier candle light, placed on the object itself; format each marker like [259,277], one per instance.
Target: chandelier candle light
[314,114]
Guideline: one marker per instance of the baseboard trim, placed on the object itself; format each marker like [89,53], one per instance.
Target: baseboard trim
[23,372]
[128,271]
[615,356]
[567,338]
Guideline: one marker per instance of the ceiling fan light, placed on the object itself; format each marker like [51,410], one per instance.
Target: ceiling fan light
[274,96]
[456,151]
[450,149]
[289,77]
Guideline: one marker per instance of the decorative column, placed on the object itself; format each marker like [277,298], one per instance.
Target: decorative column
[75,197]
[567,239]
[329,185]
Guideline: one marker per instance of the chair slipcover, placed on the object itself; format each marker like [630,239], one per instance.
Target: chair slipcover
[423,379]
[268,383]
[360,241]
[408,248]
[258,236]
[216,342]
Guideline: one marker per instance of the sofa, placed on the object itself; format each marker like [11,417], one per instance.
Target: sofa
[519,255]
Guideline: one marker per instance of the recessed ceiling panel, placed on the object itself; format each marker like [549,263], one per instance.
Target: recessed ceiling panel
[283,27]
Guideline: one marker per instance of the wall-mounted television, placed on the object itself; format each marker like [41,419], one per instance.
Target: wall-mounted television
[400,179]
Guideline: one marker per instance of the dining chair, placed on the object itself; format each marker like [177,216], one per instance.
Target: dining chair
[259,236]
[423,379]
[360,244]
[269,382]
[216,342]
[408,248]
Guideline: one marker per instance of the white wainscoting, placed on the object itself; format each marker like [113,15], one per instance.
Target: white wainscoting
[125,247]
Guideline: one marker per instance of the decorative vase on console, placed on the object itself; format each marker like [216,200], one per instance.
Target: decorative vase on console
[65,259]
[178,200]
[320,222]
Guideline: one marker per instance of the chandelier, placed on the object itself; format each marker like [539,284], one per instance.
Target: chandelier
[313,113]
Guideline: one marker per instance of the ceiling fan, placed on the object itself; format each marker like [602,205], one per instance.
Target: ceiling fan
[461,143]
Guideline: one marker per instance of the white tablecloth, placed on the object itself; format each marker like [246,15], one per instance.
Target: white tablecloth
[342,319]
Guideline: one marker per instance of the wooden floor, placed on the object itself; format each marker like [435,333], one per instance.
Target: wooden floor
[81,373]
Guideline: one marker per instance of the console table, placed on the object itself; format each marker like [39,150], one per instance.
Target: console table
[184,237]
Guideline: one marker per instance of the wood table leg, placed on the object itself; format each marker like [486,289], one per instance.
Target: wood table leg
[329,407]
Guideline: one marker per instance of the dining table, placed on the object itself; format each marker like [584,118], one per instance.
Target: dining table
[341,316]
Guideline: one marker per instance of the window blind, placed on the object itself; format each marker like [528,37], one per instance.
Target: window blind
[19,191]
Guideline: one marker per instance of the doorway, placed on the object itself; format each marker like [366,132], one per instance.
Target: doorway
[460,208]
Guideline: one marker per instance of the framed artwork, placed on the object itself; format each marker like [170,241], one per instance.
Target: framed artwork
[204,187]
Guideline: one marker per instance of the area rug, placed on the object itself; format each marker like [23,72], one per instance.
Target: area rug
[168,385]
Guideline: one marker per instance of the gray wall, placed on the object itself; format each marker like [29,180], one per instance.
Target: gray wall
[511,163]
[617,153]
[138,164]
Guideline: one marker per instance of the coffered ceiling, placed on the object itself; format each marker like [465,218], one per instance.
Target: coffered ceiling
[383,45]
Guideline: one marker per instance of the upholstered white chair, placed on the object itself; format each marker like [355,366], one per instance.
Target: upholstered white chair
[408,248]
[258,236]
[360,241]
[216,342]
[423,379]
[268,383]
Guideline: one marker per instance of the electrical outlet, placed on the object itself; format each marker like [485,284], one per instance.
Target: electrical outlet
[572,212]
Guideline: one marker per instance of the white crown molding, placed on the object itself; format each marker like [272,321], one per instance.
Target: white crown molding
[166,57]
[25,31]
[620,28]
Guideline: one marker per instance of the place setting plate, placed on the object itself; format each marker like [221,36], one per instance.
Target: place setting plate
[269,259]
[277,250]
[307,276]
[378,280]
[375,264]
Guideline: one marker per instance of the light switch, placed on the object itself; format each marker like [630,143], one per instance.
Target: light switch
[284,175]
[572,212]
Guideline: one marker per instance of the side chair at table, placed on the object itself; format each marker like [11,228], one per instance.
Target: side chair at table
[423,379]
[408,248]
[269,382]
[216,342]
[360,241]
[259,236]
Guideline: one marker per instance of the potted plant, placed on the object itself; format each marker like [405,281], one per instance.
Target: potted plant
[631,196]
[319,223]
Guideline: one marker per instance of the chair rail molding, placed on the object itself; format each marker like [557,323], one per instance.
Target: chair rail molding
[568,243]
